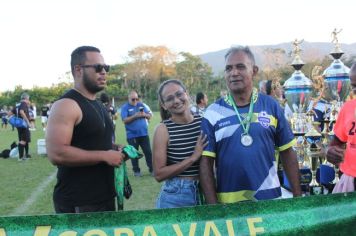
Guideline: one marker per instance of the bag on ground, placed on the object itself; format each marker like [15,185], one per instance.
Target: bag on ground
[5,153]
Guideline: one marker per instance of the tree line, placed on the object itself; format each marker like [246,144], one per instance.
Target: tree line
[147,66]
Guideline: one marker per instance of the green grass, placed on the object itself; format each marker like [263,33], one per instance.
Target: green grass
[19,180]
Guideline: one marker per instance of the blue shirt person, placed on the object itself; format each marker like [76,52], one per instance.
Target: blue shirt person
[135,115]
[242,129]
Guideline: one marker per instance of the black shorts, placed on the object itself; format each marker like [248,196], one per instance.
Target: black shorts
[24,134]
[108,205]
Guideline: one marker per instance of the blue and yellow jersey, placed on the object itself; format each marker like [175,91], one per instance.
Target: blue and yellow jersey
[246,173]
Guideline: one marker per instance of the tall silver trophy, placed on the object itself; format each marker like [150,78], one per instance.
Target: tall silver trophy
[336,76]
[298,91]
[336,84]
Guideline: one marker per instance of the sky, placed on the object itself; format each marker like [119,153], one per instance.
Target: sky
[38,36]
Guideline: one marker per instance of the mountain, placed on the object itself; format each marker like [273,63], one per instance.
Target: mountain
[273,56]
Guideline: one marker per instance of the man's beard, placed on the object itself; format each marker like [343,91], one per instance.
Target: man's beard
[90,85]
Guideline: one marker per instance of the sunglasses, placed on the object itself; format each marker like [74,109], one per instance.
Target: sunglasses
[134,99]
[98,67]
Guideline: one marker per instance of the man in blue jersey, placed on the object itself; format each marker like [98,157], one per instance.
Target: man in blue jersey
[135,115]
[243,130]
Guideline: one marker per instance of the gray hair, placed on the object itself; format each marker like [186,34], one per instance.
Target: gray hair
[244,49]
[25,96]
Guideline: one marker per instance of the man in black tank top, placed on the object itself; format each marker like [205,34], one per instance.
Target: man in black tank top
[79,140]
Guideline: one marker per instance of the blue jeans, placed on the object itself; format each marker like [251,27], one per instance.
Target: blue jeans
[144,143]
[178,192]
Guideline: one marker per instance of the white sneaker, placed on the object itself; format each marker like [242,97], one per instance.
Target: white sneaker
[137,174]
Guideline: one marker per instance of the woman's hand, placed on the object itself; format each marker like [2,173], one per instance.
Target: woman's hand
[202,142]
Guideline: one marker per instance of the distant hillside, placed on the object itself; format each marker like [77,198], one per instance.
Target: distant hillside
[280,54]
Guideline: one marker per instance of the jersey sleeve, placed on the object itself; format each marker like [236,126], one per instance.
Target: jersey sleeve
[208,129]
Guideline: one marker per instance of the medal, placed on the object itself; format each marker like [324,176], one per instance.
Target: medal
[246,140]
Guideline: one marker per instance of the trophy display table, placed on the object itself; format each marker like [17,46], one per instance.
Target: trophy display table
[324,178]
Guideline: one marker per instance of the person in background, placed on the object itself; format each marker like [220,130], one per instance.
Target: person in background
[104,98]
[3,115]
[262,86]
[342,149]
[177,148]
[79,140]
[32,112]
[22,110]
[44,115]
[274,89]
[134,115]
[201,104]
[243,130]
[34,109]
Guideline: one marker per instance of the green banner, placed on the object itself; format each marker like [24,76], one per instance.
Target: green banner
[315,215]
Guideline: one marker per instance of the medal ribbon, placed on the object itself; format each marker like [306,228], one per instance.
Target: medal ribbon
[247,120]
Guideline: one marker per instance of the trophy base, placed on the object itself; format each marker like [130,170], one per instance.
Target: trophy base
[316,190]
[297,134]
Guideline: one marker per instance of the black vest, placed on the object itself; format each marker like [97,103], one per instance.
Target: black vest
[86,185]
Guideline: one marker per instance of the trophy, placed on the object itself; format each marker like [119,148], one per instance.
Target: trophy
[298,90]
[336,84]
[325,133]
[336,76]
[315,155]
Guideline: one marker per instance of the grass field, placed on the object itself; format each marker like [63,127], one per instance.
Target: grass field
[27,186]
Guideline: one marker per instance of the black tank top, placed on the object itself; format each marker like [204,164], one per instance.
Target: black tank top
[182,141]
[86,185]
